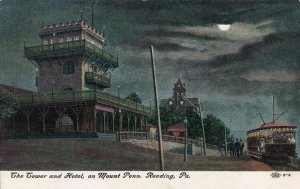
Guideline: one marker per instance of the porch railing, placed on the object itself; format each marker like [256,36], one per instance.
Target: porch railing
[89,95]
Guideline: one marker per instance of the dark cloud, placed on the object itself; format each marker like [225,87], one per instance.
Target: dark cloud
[160,46]
[246,51]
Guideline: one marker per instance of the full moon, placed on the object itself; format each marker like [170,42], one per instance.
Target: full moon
[224,27]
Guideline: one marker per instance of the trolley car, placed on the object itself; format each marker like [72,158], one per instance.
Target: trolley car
[272,141]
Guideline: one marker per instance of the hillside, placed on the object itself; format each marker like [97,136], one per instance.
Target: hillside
[93,154]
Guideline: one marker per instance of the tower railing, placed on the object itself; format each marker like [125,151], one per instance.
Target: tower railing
[78,96]
[100,80]
[79,46]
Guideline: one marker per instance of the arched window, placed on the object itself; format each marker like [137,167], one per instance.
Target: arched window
[68,89]
[68,68]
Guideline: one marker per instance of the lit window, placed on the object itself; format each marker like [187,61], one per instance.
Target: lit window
[170,102]
[181,102]
[60,40]
[45,42]
[51,41]
[68,68]
[69,38]
[76,38]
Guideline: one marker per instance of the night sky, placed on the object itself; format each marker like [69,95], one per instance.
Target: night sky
[235,72]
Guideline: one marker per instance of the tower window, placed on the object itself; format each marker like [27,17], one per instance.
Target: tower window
[68,68]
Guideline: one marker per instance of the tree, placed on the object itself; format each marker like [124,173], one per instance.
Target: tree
[215,130]
[7,103]
[214,127]
[194,124]
[134,97]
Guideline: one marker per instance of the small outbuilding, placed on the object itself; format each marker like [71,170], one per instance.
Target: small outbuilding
[177,130]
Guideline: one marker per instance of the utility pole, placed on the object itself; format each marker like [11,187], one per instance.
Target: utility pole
[150,106]
[199,112]
[229,127]
[185,143]
[273,110]
[119,93]
[203,131]
[120,124]
[52,88]
[14,87]
[161,157]
[225,140]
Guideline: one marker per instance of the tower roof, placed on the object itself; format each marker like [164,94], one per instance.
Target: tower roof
[71,27]
[179,85]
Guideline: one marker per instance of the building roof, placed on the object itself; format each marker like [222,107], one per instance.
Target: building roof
[179,96]
[178,127]
[15,89]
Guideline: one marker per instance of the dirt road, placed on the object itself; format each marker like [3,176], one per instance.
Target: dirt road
[93,154]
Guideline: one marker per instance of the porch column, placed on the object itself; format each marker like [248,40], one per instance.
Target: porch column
[141,123]
[43,114]
[94,118]
[134,122]
[113,121]
[120,124]
[27,114]
[77,120]
[128,121]
[104,119]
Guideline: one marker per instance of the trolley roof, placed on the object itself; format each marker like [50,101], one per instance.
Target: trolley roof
[272,125]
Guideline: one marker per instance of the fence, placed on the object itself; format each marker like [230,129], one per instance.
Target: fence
[127,135]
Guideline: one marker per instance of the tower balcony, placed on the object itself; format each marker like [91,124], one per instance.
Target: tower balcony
[79,47]
[97,80]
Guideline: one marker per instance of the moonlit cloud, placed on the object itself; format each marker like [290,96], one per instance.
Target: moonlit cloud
[277,75]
